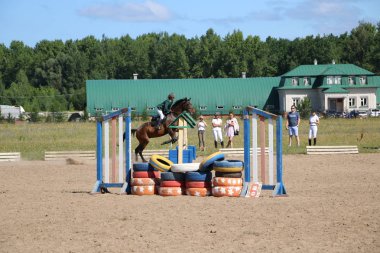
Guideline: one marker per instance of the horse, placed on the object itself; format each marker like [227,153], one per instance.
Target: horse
[148,129]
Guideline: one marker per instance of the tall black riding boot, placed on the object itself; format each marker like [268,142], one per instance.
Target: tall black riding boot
[158,126]
[222,143]
[315,141]
[310,142]
[216,144]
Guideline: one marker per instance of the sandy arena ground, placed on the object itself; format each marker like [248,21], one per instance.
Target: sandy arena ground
[333,206]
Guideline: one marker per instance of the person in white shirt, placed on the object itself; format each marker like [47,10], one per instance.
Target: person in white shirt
[217,130]
[201,131]
[313,122]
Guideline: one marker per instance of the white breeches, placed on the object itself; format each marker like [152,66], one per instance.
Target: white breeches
[217,131]
[162,116]
[313,132]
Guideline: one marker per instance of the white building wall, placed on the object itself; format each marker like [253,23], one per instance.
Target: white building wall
[370,93]
[319,100]
[287,96]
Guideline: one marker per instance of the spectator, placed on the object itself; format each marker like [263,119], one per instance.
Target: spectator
[217,130]
[313,122]
[231,126]
[201,131]
[292,123]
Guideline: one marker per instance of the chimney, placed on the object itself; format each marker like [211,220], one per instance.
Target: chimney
[243,75]
[135,76]
[333,61]
[315,62]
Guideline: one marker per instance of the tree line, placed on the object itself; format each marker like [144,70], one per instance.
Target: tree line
[51,76]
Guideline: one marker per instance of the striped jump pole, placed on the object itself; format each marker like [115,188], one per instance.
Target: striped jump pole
[256,135]
[114,176]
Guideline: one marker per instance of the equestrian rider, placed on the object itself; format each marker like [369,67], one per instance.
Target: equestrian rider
[163,109]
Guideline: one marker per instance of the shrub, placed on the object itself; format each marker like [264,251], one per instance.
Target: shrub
[304,108]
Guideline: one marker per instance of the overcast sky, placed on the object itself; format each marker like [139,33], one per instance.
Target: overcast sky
[31,21]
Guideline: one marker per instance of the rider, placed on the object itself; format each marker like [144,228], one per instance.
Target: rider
[163,109]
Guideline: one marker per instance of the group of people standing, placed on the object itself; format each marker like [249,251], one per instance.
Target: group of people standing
[231,129]
[292,122]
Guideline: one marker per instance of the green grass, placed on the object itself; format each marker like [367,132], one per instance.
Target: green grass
[33,139]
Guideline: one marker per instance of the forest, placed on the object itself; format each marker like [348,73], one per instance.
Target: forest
[51,76]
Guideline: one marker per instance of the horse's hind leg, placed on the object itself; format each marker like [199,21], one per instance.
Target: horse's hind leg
[139,151]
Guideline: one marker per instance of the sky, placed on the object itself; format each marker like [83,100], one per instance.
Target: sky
[31,21]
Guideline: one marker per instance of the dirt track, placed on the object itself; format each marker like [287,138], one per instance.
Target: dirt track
[333,206]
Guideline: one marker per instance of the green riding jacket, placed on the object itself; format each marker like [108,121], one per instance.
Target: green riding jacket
[165,106]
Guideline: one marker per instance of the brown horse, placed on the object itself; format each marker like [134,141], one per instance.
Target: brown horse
[147,130]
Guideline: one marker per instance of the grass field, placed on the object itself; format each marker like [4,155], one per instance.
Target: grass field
[33,139]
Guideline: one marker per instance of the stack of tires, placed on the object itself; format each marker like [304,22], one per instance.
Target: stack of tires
[145,179]
[172,184]
[198,183]
[228,178]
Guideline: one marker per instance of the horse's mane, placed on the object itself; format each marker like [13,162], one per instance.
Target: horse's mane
[176,103]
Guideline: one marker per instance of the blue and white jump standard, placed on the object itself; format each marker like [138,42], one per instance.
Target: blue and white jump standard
[124,177]
[259,116]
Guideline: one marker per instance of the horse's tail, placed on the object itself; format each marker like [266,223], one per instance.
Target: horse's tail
[133,131]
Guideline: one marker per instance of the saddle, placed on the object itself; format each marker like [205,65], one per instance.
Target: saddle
[156,120]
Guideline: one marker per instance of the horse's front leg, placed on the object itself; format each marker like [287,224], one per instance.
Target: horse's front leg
[173,136]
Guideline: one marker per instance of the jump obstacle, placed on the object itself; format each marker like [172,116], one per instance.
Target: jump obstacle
[110,180]
[258,118]
[124,176]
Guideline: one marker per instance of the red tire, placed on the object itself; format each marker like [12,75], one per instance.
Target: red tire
[227,181]
[198,184]
[198,192]
[226,191]
[146,174]
[172,183]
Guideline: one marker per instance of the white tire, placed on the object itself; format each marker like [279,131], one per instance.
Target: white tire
[185,167]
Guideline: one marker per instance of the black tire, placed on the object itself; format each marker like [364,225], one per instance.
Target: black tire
[228,174]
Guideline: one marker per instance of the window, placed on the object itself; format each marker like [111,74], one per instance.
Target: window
[220,107]
[362,80]
[98,109]
[295,81]
[337,80]
[351,102]
[295,101]
[236,107]
[306,81]
[351,80]
[133,109]
[363,102]
[115,108]
[329,80]
[334,80]
[203,107]
[150,108]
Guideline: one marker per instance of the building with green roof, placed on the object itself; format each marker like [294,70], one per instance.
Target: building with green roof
[330,87]
[207,95]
